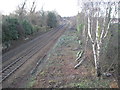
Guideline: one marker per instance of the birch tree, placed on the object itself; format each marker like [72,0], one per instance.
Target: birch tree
[99,17]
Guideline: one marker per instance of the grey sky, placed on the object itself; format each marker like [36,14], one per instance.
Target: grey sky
[63,7]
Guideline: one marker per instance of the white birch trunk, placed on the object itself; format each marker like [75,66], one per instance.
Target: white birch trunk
[97,49]
[89,34]
[93,46]
[100,33]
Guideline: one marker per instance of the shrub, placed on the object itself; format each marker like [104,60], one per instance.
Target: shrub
[36,28]
[27,27]
[52,19]
[9,29]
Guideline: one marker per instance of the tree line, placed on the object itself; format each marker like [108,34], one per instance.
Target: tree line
[22,23]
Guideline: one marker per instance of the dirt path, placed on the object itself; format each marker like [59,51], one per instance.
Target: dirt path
[59,72]
[21,76]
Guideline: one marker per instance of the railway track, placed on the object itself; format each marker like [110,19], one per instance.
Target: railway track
[34,42]
[20,60]
[27,50]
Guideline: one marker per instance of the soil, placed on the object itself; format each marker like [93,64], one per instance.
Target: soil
[59,72]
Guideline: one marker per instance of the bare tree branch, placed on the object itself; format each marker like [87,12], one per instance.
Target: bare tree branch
[22,8]
[80,62]
[79,56]
[33,7]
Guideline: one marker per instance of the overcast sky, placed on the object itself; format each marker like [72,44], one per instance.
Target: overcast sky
[63,7]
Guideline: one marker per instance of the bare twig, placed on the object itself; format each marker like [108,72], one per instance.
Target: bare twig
[23,6]
[33,7]
[80,55]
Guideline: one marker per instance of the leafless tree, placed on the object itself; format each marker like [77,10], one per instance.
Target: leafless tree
[99,17]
